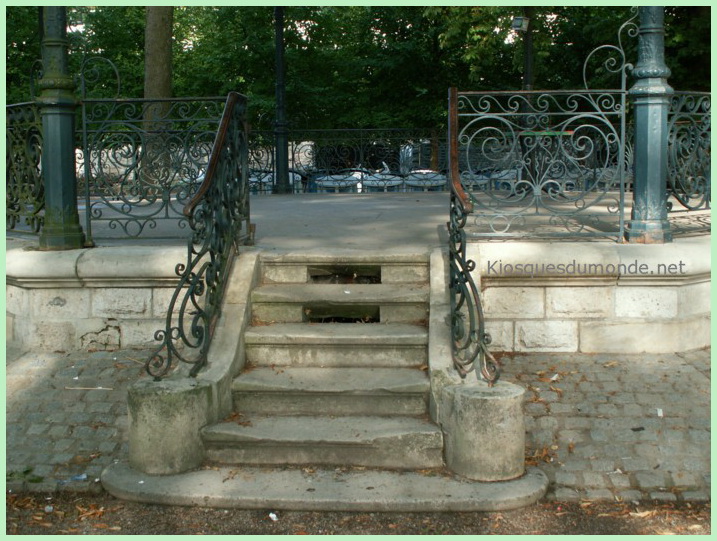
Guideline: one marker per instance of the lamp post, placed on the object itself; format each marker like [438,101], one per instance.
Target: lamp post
[651,99]
[61,230]
[281,164]
[522,25]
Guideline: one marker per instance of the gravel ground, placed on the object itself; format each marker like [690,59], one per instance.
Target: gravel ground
[68,513]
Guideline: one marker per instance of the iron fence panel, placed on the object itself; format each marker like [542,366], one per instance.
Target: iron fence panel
[689,150]
[24,187]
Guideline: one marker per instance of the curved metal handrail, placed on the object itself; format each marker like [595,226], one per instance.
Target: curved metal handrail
[219,217]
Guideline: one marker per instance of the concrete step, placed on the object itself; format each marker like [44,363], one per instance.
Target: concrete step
[377,442]
[316,489]
[337,344]
[390,303]
[341,391]
[302,268]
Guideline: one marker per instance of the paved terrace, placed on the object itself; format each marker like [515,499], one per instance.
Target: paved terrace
[600,426]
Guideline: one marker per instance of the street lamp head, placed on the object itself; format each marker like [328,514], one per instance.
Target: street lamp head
[520,24]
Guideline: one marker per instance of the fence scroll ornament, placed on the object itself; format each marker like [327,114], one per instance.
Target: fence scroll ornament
[24,187]
[529,160]
[689,150]
[141,160]
[218,215]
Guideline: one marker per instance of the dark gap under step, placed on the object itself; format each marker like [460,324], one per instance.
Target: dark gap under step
[342,314]
[345,274]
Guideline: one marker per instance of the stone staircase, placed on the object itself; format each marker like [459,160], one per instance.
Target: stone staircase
[336,367]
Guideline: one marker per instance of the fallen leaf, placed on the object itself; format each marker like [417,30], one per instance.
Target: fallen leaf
[643,514]
[611,364]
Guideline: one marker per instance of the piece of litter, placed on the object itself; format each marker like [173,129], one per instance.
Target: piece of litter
[273,517]
[141,482]
[347,292]
[556,377]
[89,389]
[97,479]
[659,412]
[49,509]
[80,477]
[76,378]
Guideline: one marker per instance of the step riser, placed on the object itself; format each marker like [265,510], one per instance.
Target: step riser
[399,455]
[267,313]
[299,274]
[318,404]
[336,356]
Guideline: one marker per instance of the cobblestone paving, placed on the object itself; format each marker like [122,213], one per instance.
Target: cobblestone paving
[67,417]
[601,427]
[618,427]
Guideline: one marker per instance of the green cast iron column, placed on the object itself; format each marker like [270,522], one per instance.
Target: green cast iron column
[57,104]
[651,100]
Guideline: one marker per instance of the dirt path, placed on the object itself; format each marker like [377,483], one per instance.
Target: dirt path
[37,514]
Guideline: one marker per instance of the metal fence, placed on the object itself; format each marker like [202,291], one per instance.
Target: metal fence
[24,187]
[544,163]
[218,215]
[140,161]
[352,161]
[689,151]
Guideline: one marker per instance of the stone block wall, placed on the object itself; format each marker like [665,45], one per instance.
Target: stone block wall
[90,299]
[617,298]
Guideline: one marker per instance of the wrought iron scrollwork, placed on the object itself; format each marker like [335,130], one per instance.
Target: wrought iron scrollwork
[24,187]
[689,150]
[141,160]
[218,215]
[469,339]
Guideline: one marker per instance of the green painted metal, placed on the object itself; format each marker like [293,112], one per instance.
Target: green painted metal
[218,215]
[689,151]
[61,230]
[24,187]
[651,101]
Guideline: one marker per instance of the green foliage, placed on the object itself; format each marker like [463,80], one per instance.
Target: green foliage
[22,48]
[360,66]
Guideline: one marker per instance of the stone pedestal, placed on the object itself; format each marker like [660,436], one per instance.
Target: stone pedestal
[165,418]
[485,431]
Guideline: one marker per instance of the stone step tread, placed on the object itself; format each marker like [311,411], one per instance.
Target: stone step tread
[348,380]
[328,294]
[350,258]
[282,488]
[362,431]
[337,334]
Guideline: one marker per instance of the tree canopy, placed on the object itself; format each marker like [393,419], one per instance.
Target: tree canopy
[357,66]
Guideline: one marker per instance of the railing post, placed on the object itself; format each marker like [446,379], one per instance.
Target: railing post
[57,104]
[651,100]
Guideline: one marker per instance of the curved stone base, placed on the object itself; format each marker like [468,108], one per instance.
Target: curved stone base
[323,490]
[484,433]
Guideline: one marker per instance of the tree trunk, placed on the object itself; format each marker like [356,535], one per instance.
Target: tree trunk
[155,170]
[158,52]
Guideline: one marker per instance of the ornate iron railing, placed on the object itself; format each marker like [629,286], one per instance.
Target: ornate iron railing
[531,164]
[469,338]
[689,150]
[24,187]
[544,163]
[218,215]
[140,160]
[352,161]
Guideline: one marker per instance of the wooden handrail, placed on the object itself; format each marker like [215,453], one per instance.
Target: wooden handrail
[232,99]
[456,184]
